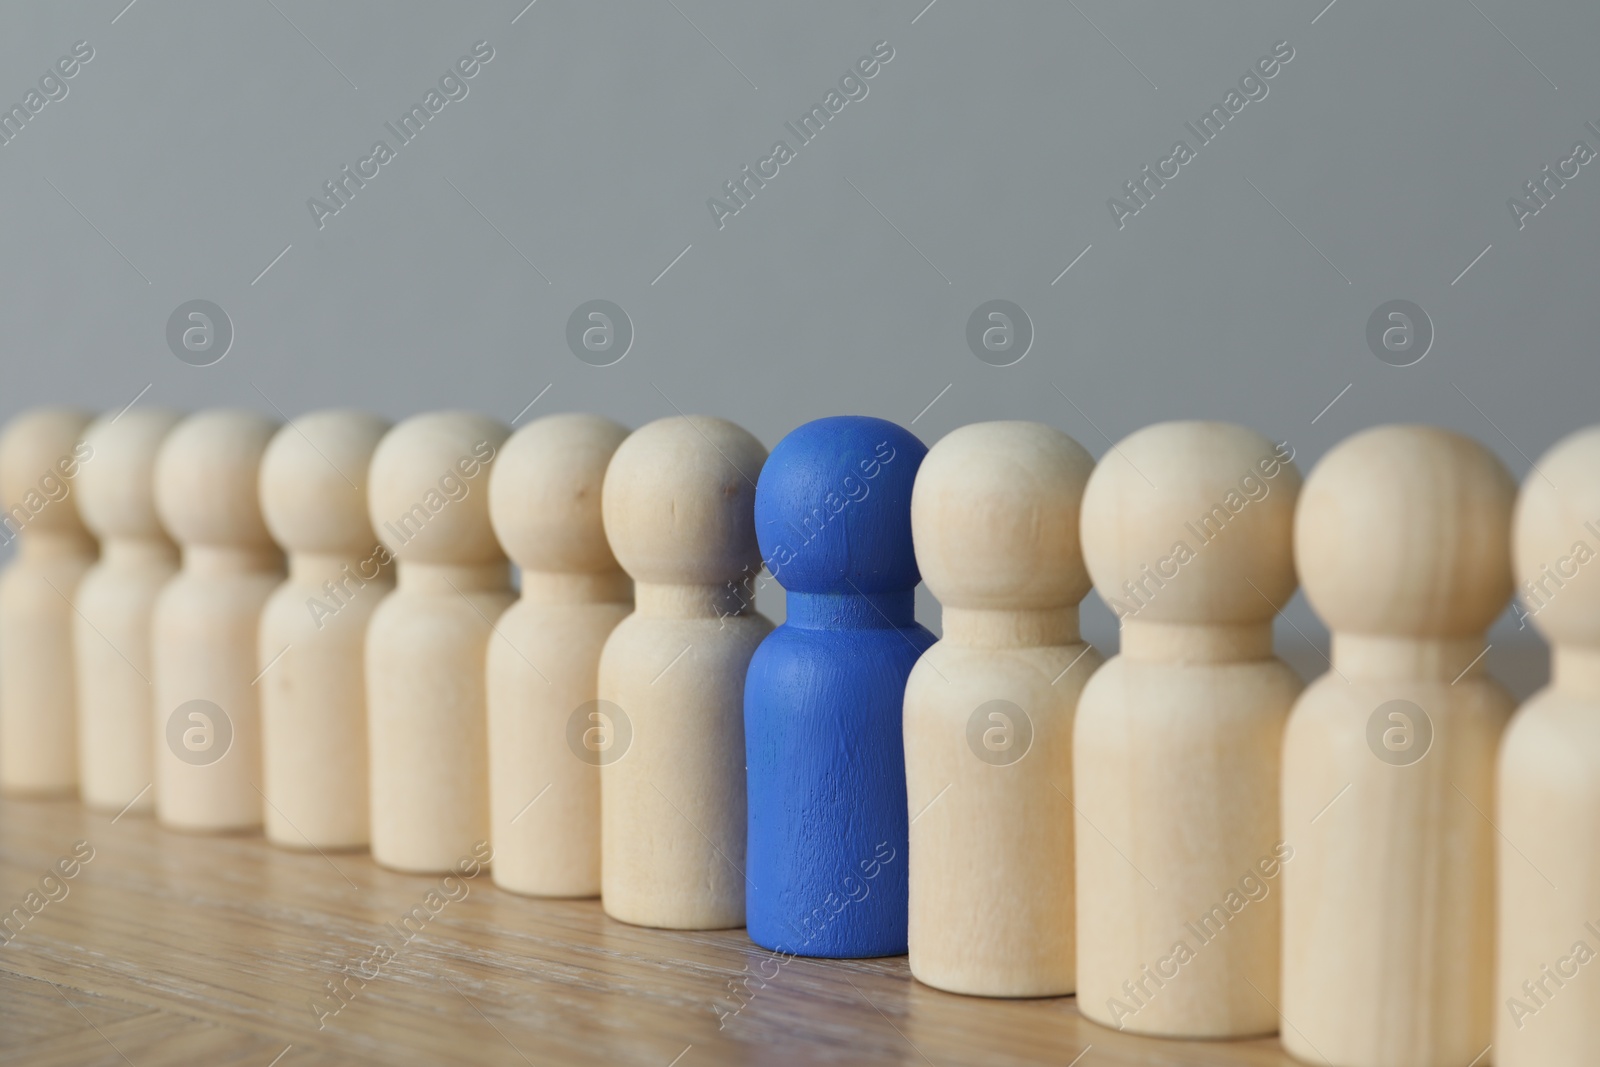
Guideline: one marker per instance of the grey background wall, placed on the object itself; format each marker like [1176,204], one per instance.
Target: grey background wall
[978,166]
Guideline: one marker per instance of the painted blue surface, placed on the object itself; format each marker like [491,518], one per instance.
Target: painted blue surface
[823,697]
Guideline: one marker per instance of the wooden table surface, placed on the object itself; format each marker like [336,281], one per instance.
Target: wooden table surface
[169,948]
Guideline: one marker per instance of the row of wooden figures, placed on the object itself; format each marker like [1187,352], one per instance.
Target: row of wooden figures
[1181,836]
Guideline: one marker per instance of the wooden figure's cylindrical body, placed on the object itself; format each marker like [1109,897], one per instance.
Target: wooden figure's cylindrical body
[677,503]
[207,712]
[544,800]
[989,711]
[1402,540]
[428,641]
[823,701]
[1187,533]
[314,628]
[40,456]
[116,711]
[1547,995]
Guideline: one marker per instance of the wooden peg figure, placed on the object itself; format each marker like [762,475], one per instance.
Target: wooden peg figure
[116,700]
[825,755]
[1187,533]
[313,630]
[40,456]
[676,503]
[1545,1012]
[205,623]
[544,503]
[427,644]
[1403,544]
[989,711]
[1546,1007]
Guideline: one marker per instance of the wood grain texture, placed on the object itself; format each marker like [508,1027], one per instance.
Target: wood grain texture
[184,949]
[1187,531]
[989,711]
[1403,545]
[676,504]
[1547,1005]
[823,700]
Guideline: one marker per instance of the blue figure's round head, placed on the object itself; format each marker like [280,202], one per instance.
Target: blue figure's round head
[833,507]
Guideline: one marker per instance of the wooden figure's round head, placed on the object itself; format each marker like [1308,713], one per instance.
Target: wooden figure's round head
[544,494]
[428,488]
[677,502]
[1191,522]
[1406,530]
[833,507]
[38,463]
[994,514]
[1556,541]
[208,475]
[117,482]
[314,482]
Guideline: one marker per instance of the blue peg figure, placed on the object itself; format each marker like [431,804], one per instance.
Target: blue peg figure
[822,700]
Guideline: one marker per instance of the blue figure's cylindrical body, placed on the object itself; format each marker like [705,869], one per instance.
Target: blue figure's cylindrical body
[826,761]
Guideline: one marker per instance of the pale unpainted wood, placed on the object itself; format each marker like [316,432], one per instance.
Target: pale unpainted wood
[1547,996]
[544,502]
[314,627]
[677,506]
[1187,532]
[116,711]
[40,456]
[189,949]
[427,642]
[205,621]
[1402,542]
[994,515]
